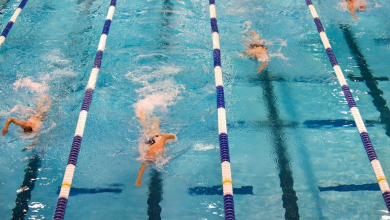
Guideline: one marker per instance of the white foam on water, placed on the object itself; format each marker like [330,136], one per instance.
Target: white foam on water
[247,26]
[58,73]
[52,125]
[147,73]
[343,5]
[255,38]
[204,147]
[279,54]
[20,110]
[148,56]
[56,57]
[159,91]
[157,97]
[31,85]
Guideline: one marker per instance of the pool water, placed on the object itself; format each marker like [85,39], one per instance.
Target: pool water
[293,147]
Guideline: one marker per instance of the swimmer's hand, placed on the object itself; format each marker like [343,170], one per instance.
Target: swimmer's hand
[170,136]
[138,183]
[4,131]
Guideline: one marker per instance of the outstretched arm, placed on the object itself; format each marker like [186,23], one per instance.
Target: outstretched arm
[15,121]
[351,8]
[263,65]
[138,182]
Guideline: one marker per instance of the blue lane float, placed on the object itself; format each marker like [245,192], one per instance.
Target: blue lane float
[376,166]
[74,152]
[12,21]
[222,127]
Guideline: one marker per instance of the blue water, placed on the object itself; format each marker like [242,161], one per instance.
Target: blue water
[161,52]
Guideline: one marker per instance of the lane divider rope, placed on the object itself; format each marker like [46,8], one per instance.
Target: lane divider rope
[74,152]
[222,127]
[376,166]
[12,21]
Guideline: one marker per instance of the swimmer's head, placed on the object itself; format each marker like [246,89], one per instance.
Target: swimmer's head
[254,45]
[27,129]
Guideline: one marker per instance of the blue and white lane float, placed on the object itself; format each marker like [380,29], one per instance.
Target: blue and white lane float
[12,21]
[222,127]
[74,152]
[376,166]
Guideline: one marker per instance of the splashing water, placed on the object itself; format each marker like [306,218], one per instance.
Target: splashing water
[204,147]
[247,25]
[20,110]
[343,5]
[255,38]
[159,91]
[40,88]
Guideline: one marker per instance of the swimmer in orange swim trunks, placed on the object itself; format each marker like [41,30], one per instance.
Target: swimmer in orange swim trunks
[156,145]
[34,122]
[258,51]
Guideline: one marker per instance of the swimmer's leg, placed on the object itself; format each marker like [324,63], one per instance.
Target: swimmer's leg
[41,107]
[28,147]
[47,106]
[263,65]
[31,145]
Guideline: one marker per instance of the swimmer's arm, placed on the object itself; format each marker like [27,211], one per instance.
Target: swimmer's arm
[169,136]
[263,65]
[15,121]
[138,182]
[351,8]
[354,15]
[250,51]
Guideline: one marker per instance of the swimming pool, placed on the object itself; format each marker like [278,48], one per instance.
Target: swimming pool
[291,118]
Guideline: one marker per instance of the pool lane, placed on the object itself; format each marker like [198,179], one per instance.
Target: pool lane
[368,78]
[289,196]
[28,185]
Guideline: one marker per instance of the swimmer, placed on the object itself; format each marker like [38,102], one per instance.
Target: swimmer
[34,122]
[354,5]
[258,51]
[156,145]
